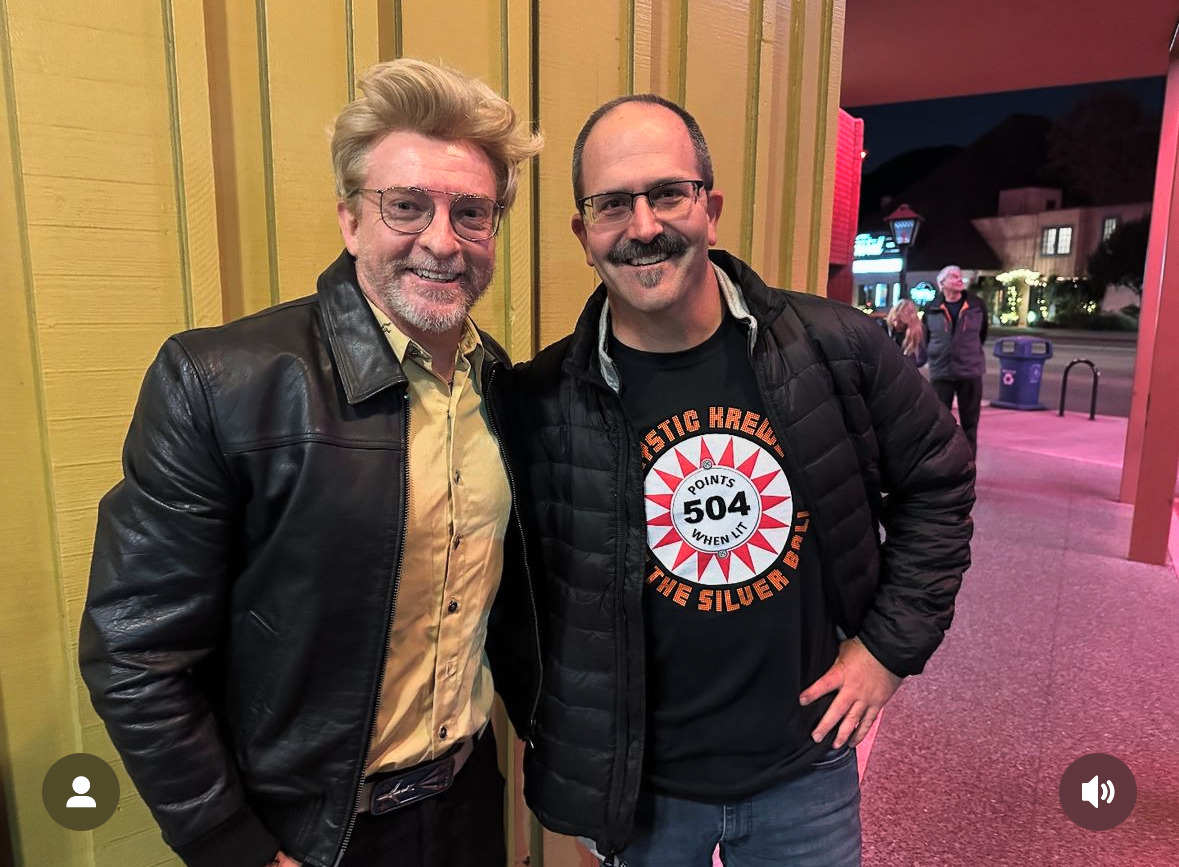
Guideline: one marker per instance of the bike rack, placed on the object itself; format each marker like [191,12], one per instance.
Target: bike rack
[1093,396]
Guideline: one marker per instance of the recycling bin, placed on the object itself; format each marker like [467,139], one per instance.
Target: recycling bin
[1021,369]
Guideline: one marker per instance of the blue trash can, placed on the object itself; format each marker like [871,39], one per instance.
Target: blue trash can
[1021,368]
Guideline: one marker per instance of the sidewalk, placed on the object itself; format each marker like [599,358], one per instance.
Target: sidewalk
[1060,647]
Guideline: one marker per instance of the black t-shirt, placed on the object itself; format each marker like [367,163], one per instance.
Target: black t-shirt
[735,618]
[954,308]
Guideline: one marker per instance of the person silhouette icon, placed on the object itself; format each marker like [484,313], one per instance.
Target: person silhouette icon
[81,786]
[95,792]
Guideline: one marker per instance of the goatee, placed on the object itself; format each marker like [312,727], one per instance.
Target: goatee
[431,312]
[663,246]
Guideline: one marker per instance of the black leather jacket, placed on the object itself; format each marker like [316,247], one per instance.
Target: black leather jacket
[245,574]
[857,422]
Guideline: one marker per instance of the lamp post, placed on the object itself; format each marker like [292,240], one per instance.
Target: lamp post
[904,224]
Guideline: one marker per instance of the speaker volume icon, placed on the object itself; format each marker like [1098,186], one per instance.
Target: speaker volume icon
[1089,791]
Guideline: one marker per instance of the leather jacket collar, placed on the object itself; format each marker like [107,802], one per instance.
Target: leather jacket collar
[364,359]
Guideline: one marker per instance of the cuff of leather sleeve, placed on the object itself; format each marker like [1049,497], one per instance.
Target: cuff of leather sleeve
[240,841]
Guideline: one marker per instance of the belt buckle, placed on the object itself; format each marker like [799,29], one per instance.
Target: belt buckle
[411,786]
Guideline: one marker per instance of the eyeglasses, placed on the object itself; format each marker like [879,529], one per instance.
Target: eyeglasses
[409,210]
[668,201]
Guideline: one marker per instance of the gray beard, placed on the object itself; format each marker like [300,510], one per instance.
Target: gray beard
[386,283]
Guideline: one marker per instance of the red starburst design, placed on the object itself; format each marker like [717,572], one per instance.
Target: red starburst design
[669,533]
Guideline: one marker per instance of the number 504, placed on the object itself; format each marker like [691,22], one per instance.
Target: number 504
[715,508]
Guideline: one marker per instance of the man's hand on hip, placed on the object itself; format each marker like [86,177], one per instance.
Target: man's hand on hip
[861,686]
[281,860]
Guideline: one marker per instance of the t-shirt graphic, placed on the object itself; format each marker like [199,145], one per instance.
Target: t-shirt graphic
[720,511]
[735,620]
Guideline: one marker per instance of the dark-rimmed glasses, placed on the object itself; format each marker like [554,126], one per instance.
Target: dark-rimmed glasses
[409,210]
[668,200]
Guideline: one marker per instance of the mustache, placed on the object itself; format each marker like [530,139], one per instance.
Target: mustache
[668,243]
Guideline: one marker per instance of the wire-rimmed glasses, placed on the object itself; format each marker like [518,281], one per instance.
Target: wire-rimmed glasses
[409,210]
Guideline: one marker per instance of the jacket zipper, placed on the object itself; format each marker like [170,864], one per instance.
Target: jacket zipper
[614,808]
[372,715]
[492,370]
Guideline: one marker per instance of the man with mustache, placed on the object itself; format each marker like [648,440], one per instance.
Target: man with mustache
[291,586]
[706,464]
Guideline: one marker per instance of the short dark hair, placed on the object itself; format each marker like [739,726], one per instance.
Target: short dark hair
[698,143]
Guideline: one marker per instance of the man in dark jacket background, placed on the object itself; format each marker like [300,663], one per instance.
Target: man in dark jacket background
[705,467]
[955,331]
[294,482]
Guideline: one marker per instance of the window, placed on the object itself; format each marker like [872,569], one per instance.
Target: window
[1057,241]
[1048,242]
[1108,225]
[1064,241]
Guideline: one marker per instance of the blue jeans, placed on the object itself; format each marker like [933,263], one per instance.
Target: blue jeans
[808,821]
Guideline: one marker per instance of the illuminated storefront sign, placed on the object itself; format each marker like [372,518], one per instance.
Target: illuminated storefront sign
[891,265]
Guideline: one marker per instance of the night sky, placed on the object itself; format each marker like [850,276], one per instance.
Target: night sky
[890,130]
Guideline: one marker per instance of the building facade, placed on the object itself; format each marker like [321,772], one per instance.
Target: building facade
[1032,231]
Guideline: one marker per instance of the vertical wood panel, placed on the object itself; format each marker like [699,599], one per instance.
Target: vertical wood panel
[108,103]
[192,145]
[36,685]
[518,246]
[581,66]
[718,92]
[792,106]
[231,31]
[804,165]
[764,212]
[372,38]
[303,99]
[660,47]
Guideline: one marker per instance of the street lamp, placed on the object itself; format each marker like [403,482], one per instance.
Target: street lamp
[904,224]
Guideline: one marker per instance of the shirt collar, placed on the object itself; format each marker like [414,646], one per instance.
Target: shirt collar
[733,300]
[470,345]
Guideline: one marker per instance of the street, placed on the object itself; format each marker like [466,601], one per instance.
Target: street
[1112,354]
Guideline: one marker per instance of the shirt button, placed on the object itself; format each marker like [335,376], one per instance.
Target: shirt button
[457,541]
[453,606]
[458,477]
[442,733]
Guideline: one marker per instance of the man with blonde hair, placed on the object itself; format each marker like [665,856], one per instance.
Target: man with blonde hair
[291,585]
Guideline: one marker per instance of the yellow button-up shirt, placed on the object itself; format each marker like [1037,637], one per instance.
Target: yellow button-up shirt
[437,685]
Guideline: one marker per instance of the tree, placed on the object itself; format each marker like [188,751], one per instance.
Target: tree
[1121,258]
[1106,148]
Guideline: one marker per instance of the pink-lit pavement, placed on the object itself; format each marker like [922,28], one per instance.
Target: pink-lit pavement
[1060,647]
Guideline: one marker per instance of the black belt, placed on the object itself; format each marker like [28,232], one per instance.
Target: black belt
[386,792]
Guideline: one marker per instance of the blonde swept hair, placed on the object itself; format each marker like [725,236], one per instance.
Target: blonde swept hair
[903,318]
[408,95]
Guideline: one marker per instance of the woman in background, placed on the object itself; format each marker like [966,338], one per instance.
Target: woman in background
[904,326]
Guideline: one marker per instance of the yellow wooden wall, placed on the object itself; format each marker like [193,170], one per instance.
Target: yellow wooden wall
[164,165]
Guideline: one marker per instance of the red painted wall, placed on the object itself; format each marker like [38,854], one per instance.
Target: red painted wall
[846,206]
